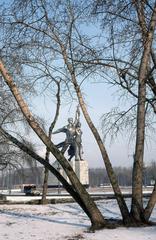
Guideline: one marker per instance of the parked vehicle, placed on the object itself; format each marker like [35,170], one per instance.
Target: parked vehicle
[2,197]
[30,190]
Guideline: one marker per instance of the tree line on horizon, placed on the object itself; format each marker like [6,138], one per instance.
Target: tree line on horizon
[97,176]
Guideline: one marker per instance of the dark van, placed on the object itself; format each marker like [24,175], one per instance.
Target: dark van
[30,190]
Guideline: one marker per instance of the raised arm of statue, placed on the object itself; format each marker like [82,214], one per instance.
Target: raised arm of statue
[63,129]
[77,115]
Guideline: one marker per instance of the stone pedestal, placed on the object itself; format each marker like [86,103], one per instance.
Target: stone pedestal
[72,164]
[80,168]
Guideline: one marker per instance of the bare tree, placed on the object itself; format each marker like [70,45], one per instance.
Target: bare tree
[123,60]
[47,165]
[96,217]
[140,68]
[45,184]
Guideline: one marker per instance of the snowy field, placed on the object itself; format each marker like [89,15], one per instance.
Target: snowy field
[64,222]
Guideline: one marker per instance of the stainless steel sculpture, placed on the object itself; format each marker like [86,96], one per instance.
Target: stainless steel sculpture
[73,141]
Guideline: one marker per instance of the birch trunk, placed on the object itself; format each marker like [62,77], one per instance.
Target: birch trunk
[46,171]
[48,166]
[137,201]
[118,194]
[96,217]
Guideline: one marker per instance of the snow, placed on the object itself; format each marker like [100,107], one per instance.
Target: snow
[25,199]
[64,221]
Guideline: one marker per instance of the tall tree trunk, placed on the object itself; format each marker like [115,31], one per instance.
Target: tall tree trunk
[143,26]
[96,217]
[45,181]
[151,203]
[113,179]
[48,166]
[137,201]
[46,172]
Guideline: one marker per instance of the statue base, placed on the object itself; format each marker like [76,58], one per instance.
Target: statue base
[79,167]
[81,170]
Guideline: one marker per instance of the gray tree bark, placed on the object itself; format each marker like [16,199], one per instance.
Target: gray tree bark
[96,217]
[137,201]
[46,171]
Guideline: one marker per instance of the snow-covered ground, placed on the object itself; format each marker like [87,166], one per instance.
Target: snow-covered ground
[64,222]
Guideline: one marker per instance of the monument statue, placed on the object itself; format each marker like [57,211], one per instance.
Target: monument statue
[73,141]
[78,141]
